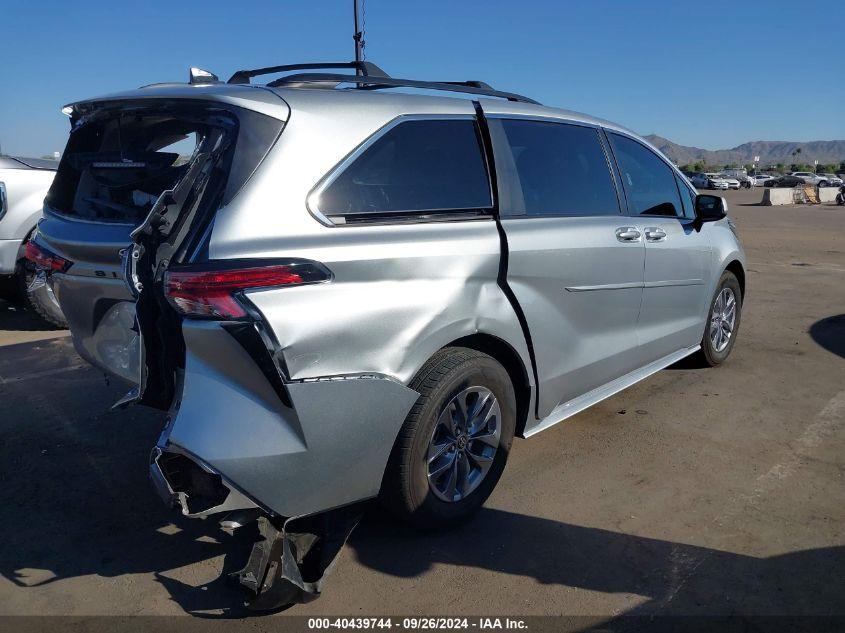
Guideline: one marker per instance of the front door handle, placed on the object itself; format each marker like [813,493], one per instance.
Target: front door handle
[628,234]
[654,234]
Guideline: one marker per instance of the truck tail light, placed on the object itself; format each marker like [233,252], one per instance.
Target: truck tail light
[214,290]
[44,258]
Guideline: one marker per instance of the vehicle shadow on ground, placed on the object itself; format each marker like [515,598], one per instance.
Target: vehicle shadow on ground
[829,333]
[14,317]
[77,502]
[677,579]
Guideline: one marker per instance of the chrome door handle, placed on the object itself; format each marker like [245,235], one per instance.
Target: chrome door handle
[628,234]
[654,234]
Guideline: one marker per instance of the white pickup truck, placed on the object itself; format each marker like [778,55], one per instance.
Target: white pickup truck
[23,185]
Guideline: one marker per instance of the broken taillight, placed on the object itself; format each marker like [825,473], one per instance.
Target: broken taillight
[214,292]
[44,258]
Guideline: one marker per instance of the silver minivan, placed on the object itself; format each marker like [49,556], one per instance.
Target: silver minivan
[339,291]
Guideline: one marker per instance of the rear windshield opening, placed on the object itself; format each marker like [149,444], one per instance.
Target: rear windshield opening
[120,159]
[114,169]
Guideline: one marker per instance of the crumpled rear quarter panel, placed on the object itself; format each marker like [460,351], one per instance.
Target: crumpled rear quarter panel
[329,449]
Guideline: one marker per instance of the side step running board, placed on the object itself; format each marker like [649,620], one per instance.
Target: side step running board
[576,405]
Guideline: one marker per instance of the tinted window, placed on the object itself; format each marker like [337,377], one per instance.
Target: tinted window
[649,182]
[414,166]
[562,169]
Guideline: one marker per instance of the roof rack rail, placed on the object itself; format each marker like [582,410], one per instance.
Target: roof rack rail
[368,77]
[366,69]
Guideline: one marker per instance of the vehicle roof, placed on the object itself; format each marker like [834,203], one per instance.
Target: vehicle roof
[272,101]
[435,104]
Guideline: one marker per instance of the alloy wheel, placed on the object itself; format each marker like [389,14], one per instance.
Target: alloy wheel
[463,444]
[722,319]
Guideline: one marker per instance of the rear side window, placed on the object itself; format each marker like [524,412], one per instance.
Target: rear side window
[416,166]
[562,169]
[649,182]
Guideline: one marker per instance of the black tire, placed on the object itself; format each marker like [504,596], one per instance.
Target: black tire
[709,354]
[42,302]
[823,183]
[405,490]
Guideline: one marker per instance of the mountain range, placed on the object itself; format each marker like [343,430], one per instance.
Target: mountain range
[770,152]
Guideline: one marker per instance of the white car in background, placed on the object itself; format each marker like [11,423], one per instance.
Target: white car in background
[760,180]
[733,183]
[833,180]
[23,184]
[819,180]
[715,181]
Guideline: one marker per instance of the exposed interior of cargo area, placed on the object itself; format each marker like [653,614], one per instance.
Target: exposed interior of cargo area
[150,173]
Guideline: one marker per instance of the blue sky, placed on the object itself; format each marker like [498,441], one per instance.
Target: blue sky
[694,72]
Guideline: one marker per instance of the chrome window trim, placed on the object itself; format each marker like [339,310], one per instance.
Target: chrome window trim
[541,118]
[312,199]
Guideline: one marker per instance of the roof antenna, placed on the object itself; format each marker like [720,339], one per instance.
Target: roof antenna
[358,36]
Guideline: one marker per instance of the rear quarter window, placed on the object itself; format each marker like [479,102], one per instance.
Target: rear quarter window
[416,166]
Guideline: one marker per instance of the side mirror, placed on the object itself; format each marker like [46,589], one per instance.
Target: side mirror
[710,208]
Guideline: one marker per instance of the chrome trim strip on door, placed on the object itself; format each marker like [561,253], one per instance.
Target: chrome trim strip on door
[638,284]
[624,286]
[674,282]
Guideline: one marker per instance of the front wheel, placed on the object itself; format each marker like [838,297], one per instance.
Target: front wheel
[454,443]
[722,321]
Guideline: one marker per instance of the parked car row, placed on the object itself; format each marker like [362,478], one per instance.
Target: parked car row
[799,179]
[734,179]
[712,181]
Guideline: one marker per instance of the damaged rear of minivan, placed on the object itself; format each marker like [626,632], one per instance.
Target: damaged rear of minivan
[310,284]
[125,237]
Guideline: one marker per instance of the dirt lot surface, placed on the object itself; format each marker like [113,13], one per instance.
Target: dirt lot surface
[698,491]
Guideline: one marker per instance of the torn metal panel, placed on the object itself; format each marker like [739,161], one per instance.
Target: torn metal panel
[290,565]
[317,453]
[190,485]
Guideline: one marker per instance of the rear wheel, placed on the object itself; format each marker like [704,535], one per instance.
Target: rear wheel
[722,321]
[454,443]
[37,293]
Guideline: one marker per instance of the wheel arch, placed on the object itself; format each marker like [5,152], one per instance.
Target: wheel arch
[735,267]
[508,357]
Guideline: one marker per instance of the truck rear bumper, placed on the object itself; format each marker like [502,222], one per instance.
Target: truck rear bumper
[9,250]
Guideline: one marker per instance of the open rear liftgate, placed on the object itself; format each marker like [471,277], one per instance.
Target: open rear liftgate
[292,556]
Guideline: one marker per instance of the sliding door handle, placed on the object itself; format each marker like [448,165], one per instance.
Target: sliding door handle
[628,234]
